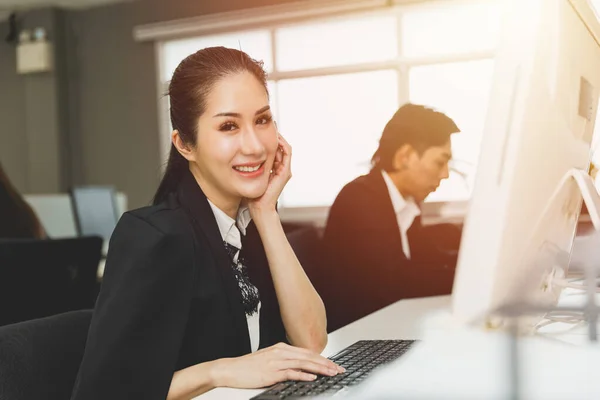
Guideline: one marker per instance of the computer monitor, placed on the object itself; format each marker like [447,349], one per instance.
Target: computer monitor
[95,209]
[519,229]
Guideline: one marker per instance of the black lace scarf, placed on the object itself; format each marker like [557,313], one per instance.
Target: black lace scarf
[249,292]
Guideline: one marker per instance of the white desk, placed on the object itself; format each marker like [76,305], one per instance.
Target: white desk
[476,362]
[400,320]
[457,362]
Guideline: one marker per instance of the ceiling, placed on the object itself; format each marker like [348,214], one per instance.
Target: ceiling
[21,4]
[8,6]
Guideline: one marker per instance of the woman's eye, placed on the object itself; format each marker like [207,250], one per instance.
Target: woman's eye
[228,126]
[263,120]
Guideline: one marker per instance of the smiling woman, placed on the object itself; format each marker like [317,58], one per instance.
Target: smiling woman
[238,141]
[182,308]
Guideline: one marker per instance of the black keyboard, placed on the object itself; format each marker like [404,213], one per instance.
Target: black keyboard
[359,360]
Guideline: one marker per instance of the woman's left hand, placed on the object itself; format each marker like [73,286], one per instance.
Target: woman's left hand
[281,174]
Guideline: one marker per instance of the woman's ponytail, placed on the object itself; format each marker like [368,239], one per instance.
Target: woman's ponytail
[177,165]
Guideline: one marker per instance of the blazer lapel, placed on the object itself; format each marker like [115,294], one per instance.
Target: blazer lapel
[194,201]
[385,208]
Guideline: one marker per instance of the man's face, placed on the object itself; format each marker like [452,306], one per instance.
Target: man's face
[424,173]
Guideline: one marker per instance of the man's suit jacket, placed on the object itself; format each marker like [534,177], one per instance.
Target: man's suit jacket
[169,300]
[364,265]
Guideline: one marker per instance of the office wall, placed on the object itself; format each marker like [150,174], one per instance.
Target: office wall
[34,133]
[12,117]
[117,104]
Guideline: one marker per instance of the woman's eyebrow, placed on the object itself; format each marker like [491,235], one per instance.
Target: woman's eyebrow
[238,115]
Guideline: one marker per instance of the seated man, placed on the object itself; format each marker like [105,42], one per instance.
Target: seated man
[376,250]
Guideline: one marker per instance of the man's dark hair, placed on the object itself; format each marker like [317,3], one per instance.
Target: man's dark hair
[416,125]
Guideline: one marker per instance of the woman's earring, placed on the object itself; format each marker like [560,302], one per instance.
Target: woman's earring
[271,171]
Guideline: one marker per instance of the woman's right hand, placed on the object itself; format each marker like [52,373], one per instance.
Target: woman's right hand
[271,365]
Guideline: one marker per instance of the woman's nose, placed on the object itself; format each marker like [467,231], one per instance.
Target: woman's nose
[250,142]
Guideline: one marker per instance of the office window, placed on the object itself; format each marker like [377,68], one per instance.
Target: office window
[335,82]
[450,29]
[336,43]
[256,43]
[334,125]
[461,91]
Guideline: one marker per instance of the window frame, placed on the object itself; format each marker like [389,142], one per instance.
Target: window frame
[281,16]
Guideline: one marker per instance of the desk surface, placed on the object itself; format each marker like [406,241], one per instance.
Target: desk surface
[424,317]
[401,320]
[458,362]
[406,319]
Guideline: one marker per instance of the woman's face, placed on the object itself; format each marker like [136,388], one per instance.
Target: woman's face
[237,141]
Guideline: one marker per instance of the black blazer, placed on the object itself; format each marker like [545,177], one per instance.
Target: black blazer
[169,300]
[364,257]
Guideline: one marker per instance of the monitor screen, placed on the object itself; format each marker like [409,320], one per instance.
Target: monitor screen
[519,230]
[95,210]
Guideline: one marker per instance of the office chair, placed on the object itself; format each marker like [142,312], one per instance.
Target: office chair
[95,210]
[306,242]
[308,247]
[436,245]
[39,359]
[310,251]
[39,278]
[289,227]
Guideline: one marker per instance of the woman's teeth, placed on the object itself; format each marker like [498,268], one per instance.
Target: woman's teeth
[247,169]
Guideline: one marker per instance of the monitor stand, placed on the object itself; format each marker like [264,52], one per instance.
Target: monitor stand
[553,264]
[590,195]
[537,293]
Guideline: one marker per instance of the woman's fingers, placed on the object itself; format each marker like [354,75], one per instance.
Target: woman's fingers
[316,358]
[297,353]
[285,145]
[307,366]
[293,375]
[286,152]
[279,154]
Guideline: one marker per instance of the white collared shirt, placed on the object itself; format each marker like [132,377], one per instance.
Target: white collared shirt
[231,231]
[406,211]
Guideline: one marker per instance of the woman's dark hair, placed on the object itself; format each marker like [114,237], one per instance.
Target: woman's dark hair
[191,83]
[416,125]
[17,219]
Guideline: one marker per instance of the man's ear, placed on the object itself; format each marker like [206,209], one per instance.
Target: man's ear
[402,156]
[181,147]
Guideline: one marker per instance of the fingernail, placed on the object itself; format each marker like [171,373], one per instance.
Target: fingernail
[313,377]
[342,369]
[333,371]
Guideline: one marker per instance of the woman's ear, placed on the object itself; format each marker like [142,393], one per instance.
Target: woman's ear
[181,146]
[401,157]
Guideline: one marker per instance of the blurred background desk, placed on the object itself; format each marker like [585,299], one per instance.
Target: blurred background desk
[96,214]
